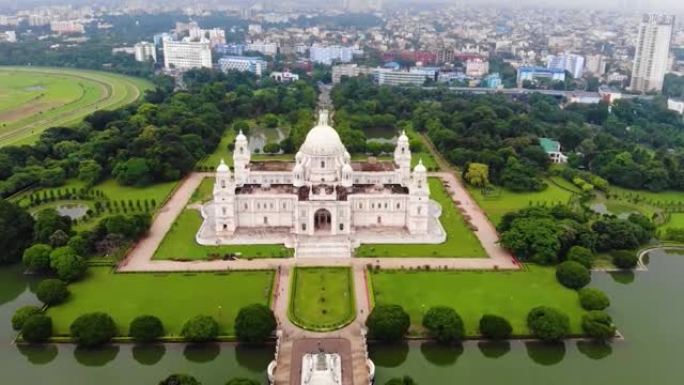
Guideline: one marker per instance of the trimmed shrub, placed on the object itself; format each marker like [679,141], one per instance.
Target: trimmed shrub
[242,381]
[37,328]
[52,291]
[548,324]
[593,299]
[581,255]
[37,257]
[201,328]
[495,327]
[67,264]
[406,380]
[254,323]
[22,314]
[444,324]
[625,259]
[180,379]
[598,325]
[146,328]
[573,275]
[93,329]
[388,323]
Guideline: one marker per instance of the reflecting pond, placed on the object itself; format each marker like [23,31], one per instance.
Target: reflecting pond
[648,308]
[58,364]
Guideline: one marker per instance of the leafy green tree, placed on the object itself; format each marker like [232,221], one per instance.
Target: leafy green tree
[93,329]
[146,328]
[37,257]
[477,174]
[599,325]
[16,231]
[52,291]
[200,328]
[495,327]
[593,299]
[37,328]
[254,323]
[49,221]
[533,239]
[241,125]
[573,275]
[89,171]
[388,323]
[624,259]
[67,264]
[581,255]
[22,314]
[78,244]
[133,172]
[180,379]
[548,324]
[444,324]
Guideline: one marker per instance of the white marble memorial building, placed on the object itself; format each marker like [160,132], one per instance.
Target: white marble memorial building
[322,198]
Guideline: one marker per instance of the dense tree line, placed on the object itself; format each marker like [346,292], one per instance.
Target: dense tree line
[158,140]
[636,144]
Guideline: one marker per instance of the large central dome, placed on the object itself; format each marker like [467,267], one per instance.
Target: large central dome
[323,140]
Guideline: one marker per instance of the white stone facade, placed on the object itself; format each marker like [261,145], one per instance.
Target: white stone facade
[322,195]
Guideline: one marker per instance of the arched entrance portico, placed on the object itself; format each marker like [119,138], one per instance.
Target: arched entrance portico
[322,221]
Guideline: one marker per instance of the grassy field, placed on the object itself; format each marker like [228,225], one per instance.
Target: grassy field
[115,191]
[204,192]
[33,99]
[461,241]
[179,243]
[472,294]
[173,297]
[676,221]
[322,298]
[506,201]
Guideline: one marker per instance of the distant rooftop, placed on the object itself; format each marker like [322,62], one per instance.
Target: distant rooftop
[549,145]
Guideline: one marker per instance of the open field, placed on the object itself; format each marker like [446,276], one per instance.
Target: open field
[180,244]
[508,294]
[173,298]
[33,99]
[461,241]
[322,298]
[507,201]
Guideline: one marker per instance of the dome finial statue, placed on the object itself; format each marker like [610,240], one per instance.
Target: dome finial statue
[323,118]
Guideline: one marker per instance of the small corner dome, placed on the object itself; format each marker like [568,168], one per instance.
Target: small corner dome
[403,138]
[323,139]
[240,136]
[223,167]
[419,167]
[347,168]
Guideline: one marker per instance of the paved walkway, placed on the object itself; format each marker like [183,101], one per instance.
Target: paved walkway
[140,257]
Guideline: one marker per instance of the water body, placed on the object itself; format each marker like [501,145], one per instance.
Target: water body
[648,308]
[72,210]
[64,364]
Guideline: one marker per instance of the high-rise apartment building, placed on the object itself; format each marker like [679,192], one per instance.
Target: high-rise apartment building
[144,51]
[187,54]
[329,54]
[652,50]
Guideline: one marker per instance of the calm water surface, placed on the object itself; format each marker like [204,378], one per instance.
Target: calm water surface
[648,308]
[63,364]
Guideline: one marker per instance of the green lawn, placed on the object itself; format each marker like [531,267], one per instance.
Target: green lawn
[676,221]
[204,192]
[507,201]
[179,243]
[115,191]
[34,98]
[461,241]
[322,298]
[173,297]
[472,294]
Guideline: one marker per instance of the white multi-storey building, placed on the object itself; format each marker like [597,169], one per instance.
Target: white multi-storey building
[652,51]
[251,64]
[596,65]
[348,70]
[187,54]
[67,27]
[567,62]
[477,67]
[323,204]
[265,48]
[145,51]
[329,54]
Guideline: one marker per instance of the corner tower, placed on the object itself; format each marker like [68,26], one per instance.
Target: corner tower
[224,200]
[241,159]
[402,158]
[419,201]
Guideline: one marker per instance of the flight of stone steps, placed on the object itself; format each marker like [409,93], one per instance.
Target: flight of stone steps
[333,246]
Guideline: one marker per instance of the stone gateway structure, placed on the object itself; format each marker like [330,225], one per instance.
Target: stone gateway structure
[323,204]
